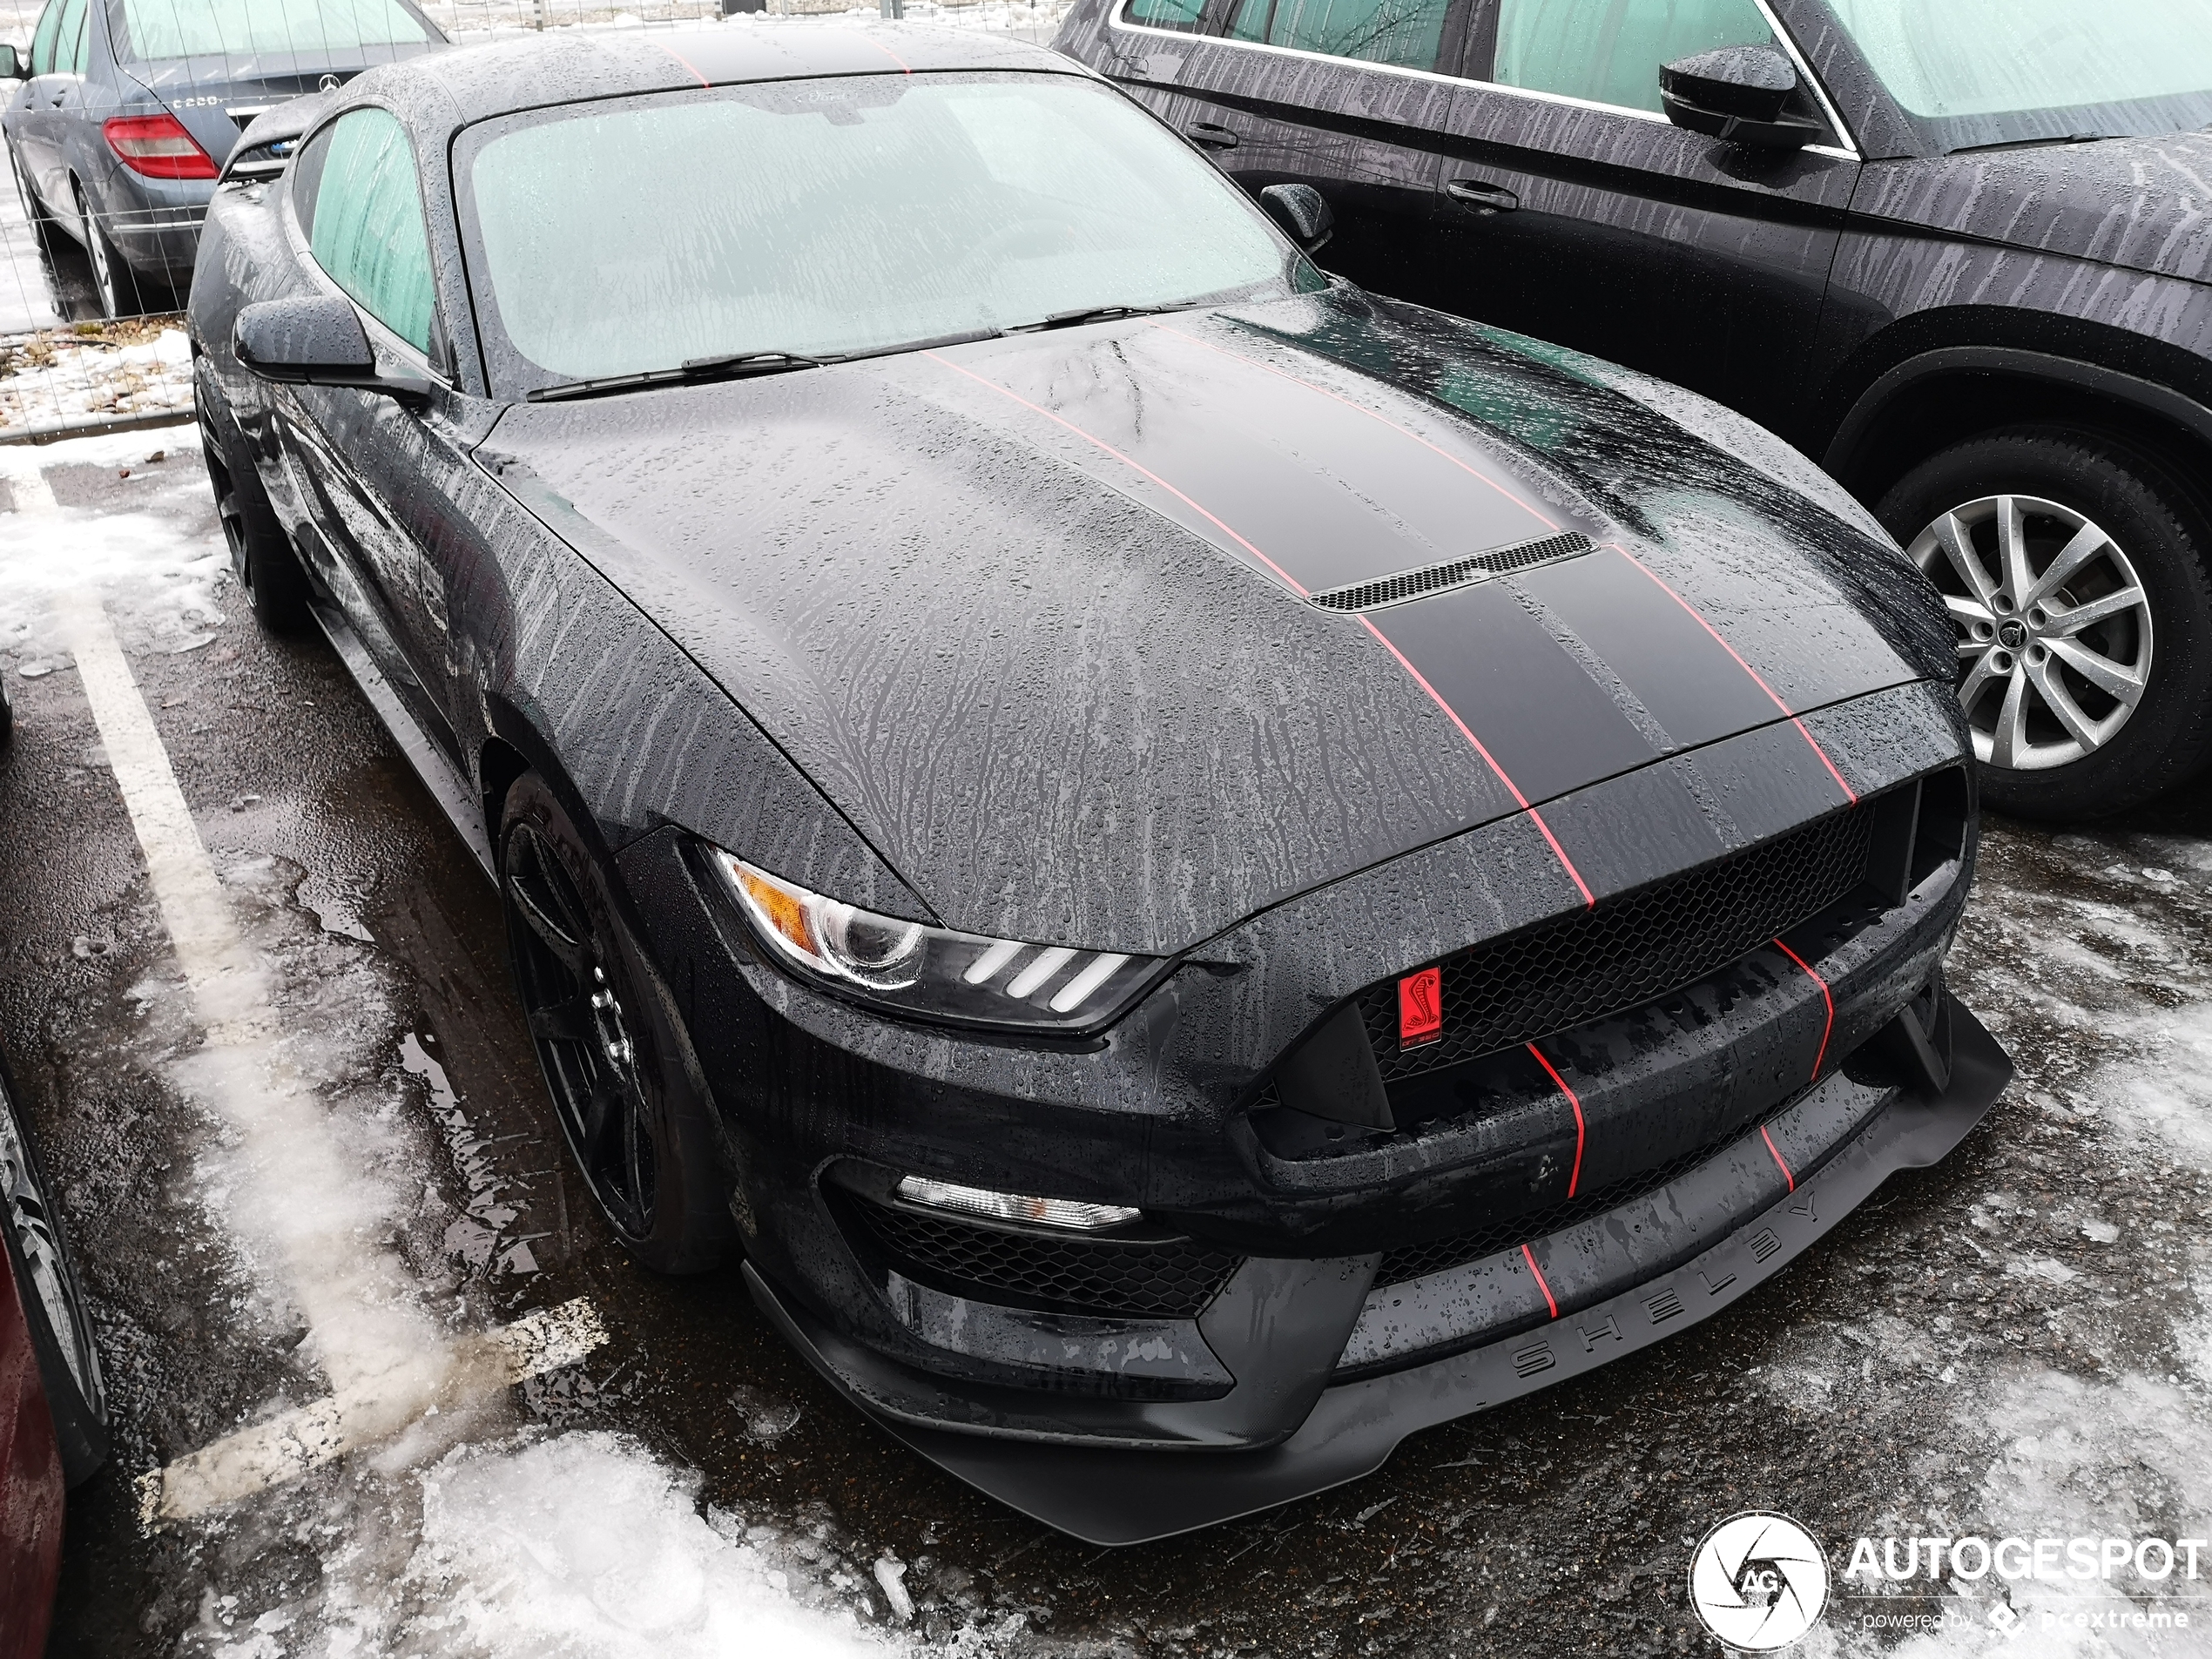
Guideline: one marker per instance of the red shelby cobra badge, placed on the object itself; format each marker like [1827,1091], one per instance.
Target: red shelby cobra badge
[1420,1008]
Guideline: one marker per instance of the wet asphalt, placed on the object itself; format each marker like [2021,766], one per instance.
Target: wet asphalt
[2043,1289]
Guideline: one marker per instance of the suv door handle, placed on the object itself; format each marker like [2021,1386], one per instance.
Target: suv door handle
[1482,196]
[1211,134]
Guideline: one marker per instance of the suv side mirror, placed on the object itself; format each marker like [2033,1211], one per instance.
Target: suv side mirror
[12,68]
[1303,212]
[1740,95]
[316,340]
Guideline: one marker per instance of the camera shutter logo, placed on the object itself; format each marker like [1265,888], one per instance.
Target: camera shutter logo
[1759,1582]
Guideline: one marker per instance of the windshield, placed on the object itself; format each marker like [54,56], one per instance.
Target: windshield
[2005,71]
[820,218]
[160,28]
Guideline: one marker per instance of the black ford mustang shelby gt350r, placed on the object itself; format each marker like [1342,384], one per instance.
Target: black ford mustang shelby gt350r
[1203,870]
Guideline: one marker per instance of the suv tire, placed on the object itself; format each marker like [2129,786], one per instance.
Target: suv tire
[2082,750]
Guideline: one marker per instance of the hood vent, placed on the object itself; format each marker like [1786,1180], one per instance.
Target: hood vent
[1459,573]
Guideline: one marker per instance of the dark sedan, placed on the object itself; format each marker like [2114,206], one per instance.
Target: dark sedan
[1958,251]
[127,109]
[1203,869]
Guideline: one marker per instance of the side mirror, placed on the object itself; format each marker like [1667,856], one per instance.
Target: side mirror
[12,68]
[1303,212]
[1740,95]
[313,341]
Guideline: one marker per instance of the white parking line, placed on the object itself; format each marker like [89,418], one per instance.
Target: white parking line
[388,1363]
[287,1445]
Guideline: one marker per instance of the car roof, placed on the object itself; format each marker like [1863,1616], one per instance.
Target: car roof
[565,66]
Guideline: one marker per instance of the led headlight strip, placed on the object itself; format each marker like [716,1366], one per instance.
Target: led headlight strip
[907,965]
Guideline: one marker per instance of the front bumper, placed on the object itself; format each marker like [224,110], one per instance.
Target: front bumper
[1612,1284]
[1298,1267]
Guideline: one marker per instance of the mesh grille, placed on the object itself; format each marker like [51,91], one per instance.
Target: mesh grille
[1481,567]
[1152,1278]
[1563,973]
[1415,1261]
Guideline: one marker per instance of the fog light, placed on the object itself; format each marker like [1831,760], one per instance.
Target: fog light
[1070,1213]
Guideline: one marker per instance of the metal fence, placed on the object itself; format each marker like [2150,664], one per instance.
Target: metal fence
[90,342]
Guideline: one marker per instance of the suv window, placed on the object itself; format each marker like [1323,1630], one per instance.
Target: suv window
[356,197]
[42,43]
[1609,52]
[1406,33]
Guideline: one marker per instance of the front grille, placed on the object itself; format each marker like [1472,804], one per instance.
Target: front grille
[1418,1261]
[1172,1278]
[1434,578]
[1626,951]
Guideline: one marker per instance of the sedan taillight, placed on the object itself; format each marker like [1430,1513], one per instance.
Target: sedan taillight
[157,146]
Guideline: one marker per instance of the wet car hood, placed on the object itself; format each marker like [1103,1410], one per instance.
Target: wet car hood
[2136,203]
[1030,611]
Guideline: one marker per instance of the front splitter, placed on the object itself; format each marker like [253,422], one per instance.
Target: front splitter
[1108,1496]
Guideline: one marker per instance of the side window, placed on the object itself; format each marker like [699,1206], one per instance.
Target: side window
[75,42]
[1180,15]
[1406,33]
[42,43]
[61,49]
[357,200]
[1609,52]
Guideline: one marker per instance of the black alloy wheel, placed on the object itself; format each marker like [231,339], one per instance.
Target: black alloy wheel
[267,568]
[624,1084]
[53,1301]
[2074,570]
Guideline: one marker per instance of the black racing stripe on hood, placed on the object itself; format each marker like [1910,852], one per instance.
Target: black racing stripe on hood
[1544,718]
[1138,435]
[1324,490]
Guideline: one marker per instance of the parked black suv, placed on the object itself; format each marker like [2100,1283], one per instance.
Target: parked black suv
[1961,253]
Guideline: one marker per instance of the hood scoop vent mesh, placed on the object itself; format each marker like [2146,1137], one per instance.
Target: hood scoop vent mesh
[1459,573]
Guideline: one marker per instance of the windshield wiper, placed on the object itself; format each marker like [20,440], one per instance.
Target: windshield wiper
[2035,143]
[734,366]
[1091,314]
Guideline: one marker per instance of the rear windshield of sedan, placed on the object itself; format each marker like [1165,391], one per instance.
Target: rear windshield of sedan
[826,216]
[152,29]
[1986,72]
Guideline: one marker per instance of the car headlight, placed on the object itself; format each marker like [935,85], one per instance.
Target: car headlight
[910,969]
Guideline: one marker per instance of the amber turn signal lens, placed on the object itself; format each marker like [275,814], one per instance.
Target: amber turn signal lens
[779,908]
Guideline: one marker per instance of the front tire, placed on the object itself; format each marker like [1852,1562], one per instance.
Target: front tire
[617,1063]
[267,569]
[53,1301]
[2074,570]
[44,230]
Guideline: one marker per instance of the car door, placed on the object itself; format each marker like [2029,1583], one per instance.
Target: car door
[1347,96]
[53,75]
[372,472]
[1574,210]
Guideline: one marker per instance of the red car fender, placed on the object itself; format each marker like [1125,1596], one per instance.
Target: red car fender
[31,1490]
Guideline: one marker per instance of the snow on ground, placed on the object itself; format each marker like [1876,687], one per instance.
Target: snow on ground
[341,1251]
[58,377]
[161,582]
[2077,1351]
